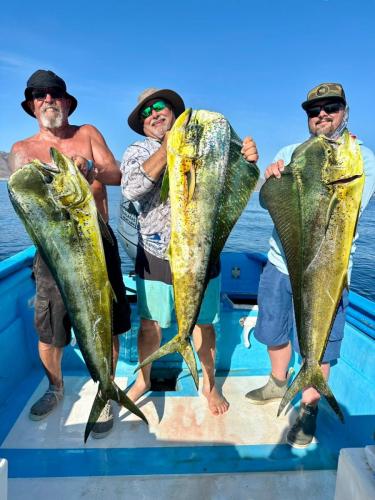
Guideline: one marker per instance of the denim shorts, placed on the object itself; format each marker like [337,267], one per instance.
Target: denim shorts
[155,292]
[276,325]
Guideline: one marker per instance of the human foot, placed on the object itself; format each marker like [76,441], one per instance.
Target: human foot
[216,401]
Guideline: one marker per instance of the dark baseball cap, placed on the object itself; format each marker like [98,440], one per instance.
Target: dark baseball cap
[46,79]
[331,91]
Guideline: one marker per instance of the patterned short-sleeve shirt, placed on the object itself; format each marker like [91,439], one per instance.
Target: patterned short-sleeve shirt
[154,226]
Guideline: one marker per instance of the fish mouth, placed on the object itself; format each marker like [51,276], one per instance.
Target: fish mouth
[46,171]
[346,180]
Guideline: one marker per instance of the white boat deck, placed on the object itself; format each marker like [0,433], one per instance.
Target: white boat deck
[177,420]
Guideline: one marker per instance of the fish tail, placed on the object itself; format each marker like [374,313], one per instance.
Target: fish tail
[311,376]
[96,409]
[116,394]
[183,347]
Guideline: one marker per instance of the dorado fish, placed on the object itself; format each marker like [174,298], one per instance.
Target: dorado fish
[315,207]
[55,204]
[209,186]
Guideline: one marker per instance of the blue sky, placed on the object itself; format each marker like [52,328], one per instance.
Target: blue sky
[254,61]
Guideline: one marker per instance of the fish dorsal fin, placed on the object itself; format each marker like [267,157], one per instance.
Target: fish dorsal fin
[240,180]
[281,198]
[164,190]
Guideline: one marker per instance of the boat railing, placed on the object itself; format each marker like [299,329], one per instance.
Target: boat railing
[361,314]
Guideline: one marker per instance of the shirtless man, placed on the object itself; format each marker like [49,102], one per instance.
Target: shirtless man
[47,100]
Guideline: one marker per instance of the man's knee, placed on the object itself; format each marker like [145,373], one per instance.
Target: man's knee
[205,328]
[149,327]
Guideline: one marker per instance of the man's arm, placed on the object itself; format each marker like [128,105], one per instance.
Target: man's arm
[155,165]
[107,171]
[142,165]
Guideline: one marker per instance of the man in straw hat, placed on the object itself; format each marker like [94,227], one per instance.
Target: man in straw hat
[142,169]
[327,113]
[47,100]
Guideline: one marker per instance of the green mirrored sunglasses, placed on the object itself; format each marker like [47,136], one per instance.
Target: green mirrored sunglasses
[157,106]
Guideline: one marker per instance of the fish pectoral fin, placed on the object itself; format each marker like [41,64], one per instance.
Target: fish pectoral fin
[182,346]
[112,293]
[104,230]
[191,180]
[311,375]
[331,207]
[164,190]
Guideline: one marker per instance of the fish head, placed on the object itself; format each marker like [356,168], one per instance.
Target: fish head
[68,187]
[344,163]
[196,132]
[58,182]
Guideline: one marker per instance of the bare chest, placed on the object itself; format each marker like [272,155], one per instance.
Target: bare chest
[40,149]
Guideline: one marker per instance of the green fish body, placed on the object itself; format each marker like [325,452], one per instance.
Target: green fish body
[57,208]
[209,186]
[315,207]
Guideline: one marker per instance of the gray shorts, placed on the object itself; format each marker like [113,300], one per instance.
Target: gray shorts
[51,319]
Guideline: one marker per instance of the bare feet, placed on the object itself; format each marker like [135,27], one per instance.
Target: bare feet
[137,390]
[216,401]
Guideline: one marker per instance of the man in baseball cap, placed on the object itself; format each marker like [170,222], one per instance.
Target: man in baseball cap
[327,114]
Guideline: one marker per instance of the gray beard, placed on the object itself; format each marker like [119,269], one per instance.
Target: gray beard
[53,121]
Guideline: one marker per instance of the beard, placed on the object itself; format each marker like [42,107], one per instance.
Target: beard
[161,129]
[54,121]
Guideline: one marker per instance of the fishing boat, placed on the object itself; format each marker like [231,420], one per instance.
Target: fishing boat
[185,452]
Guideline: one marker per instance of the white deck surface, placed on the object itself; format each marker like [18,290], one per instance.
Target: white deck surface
[172,420]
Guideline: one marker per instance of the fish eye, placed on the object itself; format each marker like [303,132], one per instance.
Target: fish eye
[48,178]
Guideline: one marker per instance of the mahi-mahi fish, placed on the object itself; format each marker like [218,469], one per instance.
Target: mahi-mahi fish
[315,206]
[55,204]
[210,184]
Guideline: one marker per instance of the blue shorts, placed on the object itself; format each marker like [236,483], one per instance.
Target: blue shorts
[276,325]
[155,292]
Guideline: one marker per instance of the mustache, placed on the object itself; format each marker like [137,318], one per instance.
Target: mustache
[158,118]
[50,106]
[324,120]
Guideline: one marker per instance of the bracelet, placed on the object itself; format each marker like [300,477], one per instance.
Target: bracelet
[90,165]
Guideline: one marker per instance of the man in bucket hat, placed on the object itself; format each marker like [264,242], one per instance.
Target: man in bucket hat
[47,100]
[327,114]
[142,167]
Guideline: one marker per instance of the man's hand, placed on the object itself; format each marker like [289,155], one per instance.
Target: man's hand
[274,169]
[249,150]
[83,166]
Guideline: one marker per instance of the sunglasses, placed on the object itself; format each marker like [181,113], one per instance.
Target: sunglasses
[329,108]
[55,93]
[157,106]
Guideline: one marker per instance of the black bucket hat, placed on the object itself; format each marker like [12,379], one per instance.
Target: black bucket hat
[332,91]
[44,79]
[149,94]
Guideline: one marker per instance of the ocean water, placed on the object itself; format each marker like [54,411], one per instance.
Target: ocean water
[250,234]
